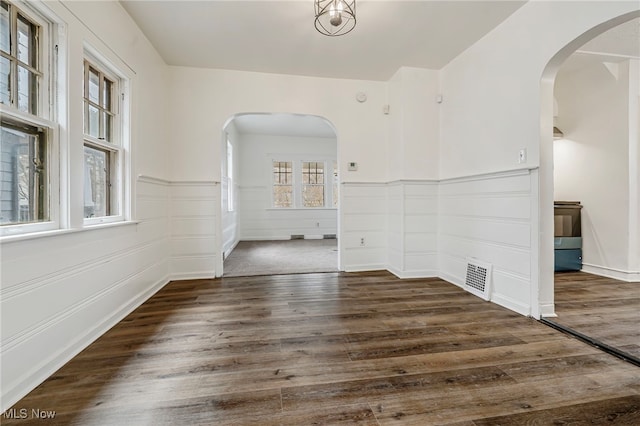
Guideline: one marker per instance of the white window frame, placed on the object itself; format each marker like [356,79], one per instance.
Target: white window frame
[118,148]
[296,165]
[273,184]
[325,191]
[46,115]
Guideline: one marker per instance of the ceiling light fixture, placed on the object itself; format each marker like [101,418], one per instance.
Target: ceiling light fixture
[335,17]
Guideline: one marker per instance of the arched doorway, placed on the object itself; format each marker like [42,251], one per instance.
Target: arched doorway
[546,189]
[261,216]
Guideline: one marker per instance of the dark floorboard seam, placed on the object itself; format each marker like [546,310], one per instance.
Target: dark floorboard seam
[593,342]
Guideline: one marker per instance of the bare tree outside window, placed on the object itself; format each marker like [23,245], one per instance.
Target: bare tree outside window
[313,184]
[282,184]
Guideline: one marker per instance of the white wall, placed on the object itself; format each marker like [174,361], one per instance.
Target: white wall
[591,162]
[414,116]
[259,221]
[61,291]
[204,99]
[498,100]
[634,168]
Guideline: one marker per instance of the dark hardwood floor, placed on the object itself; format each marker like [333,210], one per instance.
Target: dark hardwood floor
[601,308]
[330,349]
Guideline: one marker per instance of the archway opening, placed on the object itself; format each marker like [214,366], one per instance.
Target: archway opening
[279,195]
[590,98]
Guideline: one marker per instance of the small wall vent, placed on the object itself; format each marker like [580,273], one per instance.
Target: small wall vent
[478,278]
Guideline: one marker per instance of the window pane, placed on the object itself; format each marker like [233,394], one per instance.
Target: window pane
[4,27]
[96,183]
[5,86]
[283,196]
[313,195]
[106,97]
[26,41]
[94,87]
[107,121]
[282,172]
[313,173]
[27,100]
[23,177]
[93,124]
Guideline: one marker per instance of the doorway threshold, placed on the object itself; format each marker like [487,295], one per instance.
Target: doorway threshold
[593,342]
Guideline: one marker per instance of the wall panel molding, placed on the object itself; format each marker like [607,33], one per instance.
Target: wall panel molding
[489,217]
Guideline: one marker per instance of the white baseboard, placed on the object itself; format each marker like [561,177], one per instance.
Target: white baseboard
[56,360]
[511,304]
[451,279]
[496,298]
[547,310]
[617,274]
[198,275]
[228,251]
[426,273]
[365,268]
[263,238]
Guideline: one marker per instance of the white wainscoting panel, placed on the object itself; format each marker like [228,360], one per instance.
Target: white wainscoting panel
[195,209]
[259,221]
[489,217]
[59,293]
[363,216]
[413,224]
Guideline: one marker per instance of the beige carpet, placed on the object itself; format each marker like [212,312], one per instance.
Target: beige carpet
[282,257]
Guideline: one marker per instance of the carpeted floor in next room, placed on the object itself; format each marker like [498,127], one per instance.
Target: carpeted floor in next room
[282,257]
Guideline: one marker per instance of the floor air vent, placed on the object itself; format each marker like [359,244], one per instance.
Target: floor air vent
[478,278]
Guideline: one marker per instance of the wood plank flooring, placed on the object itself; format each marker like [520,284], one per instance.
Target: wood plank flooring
[331,349]
[602,308]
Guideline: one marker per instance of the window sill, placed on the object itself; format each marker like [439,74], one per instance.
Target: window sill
[58,232]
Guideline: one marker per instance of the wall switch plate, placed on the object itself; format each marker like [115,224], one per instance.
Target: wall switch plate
[522,156]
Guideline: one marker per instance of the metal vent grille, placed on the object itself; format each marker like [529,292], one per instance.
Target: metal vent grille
[478,278]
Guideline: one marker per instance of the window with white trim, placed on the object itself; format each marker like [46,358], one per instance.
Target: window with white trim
[312,184]
[282,184]
[103,149]
[304,184]
[26,125]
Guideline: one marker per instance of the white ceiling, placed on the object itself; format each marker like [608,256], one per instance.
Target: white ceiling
[623,40]
[284,125]
[616,45]
[279,36]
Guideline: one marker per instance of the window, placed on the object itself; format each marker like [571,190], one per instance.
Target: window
[230,200]
[282,184]
[23,174]
[19,70]
[304,184]
[312,184]
[102,144]
[25,126]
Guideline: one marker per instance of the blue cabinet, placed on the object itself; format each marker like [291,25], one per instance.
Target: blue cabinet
[568,236]
[568,259]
